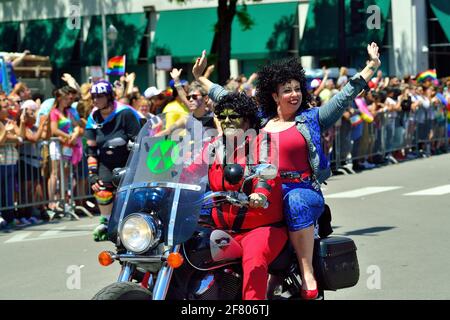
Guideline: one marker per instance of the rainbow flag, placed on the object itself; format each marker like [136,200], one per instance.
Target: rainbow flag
[427,75]
[116,66]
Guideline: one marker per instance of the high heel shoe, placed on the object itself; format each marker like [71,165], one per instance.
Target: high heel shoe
[309,294]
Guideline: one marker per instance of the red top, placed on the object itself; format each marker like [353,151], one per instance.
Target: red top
[224,217]
[289,151]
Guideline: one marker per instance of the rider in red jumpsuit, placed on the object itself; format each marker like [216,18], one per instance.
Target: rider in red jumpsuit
[260,231]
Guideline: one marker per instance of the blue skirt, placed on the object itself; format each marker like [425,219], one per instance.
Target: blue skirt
[302,205]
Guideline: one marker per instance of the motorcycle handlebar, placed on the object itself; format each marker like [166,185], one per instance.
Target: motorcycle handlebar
[235,198]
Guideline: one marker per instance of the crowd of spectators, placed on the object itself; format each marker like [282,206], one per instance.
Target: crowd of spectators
[397,119]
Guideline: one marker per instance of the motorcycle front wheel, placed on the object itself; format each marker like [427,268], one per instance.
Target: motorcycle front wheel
[123,291]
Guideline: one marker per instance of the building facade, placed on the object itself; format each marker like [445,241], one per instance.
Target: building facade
[411,33]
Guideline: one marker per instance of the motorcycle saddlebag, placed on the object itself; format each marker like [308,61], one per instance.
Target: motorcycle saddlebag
[335,263]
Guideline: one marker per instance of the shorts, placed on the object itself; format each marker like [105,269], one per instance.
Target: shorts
[57,152]
[302,205]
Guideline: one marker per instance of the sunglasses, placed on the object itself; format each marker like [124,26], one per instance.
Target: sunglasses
[193,96]
[230,116]
[97,95]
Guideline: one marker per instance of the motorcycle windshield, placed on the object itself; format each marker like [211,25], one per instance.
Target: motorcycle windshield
[168,168]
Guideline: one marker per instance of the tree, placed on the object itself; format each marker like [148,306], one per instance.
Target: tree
[221,46]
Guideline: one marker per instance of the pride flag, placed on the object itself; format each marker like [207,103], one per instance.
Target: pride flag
[427,75]
[116,66]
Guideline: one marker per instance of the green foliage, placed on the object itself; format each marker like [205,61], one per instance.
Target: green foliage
[244,18]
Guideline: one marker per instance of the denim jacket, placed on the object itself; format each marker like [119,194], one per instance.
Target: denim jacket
[313,121]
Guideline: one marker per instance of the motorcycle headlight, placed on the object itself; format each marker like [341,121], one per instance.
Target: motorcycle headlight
[139,232]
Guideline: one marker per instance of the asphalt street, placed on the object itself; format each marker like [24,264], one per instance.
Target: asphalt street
[398,216]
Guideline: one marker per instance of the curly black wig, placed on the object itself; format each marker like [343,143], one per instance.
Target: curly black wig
[241,104]
[278,73]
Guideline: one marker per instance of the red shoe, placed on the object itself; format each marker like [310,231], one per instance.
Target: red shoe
[309,294]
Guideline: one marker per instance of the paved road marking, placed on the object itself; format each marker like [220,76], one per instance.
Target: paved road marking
[361,192]
[56,236]
[53,232]
[89,225]
[18,237]
[438,191]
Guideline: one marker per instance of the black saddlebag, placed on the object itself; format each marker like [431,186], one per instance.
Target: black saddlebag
[335,263]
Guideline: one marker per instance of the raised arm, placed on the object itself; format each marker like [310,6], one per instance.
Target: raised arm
[215,91]
[129,79]
[374,62]
[20,58]
[333,109]
[71,82]
[175,74]
[322,84]
[198,69]
[209,71]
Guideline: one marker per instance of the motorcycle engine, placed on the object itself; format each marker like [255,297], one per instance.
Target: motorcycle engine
[223,284]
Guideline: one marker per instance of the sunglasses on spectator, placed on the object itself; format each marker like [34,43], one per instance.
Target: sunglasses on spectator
[194,96]
[97,95]
[4,99]
[229,116]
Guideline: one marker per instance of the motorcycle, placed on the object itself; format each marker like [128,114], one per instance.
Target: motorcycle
[165,239]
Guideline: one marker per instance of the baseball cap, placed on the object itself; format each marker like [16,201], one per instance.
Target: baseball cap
[151,92]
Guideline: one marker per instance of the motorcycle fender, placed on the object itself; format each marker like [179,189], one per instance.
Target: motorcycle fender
[224,247]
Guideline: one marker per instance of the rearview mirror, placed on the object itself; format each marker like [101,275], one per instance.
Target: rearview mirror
[118,174]
[264,171]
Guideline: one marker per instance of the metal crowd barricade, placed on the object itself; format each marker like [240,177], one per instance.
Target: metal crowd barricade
[32,174]
[410,132]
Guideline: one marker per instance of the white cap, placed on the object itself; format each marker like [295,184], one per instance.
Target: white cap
[29,104]
[151,92]
[315,83]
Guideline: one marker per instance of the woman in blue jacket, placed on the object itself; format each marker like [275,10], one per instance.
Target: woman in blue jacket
[282,93]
